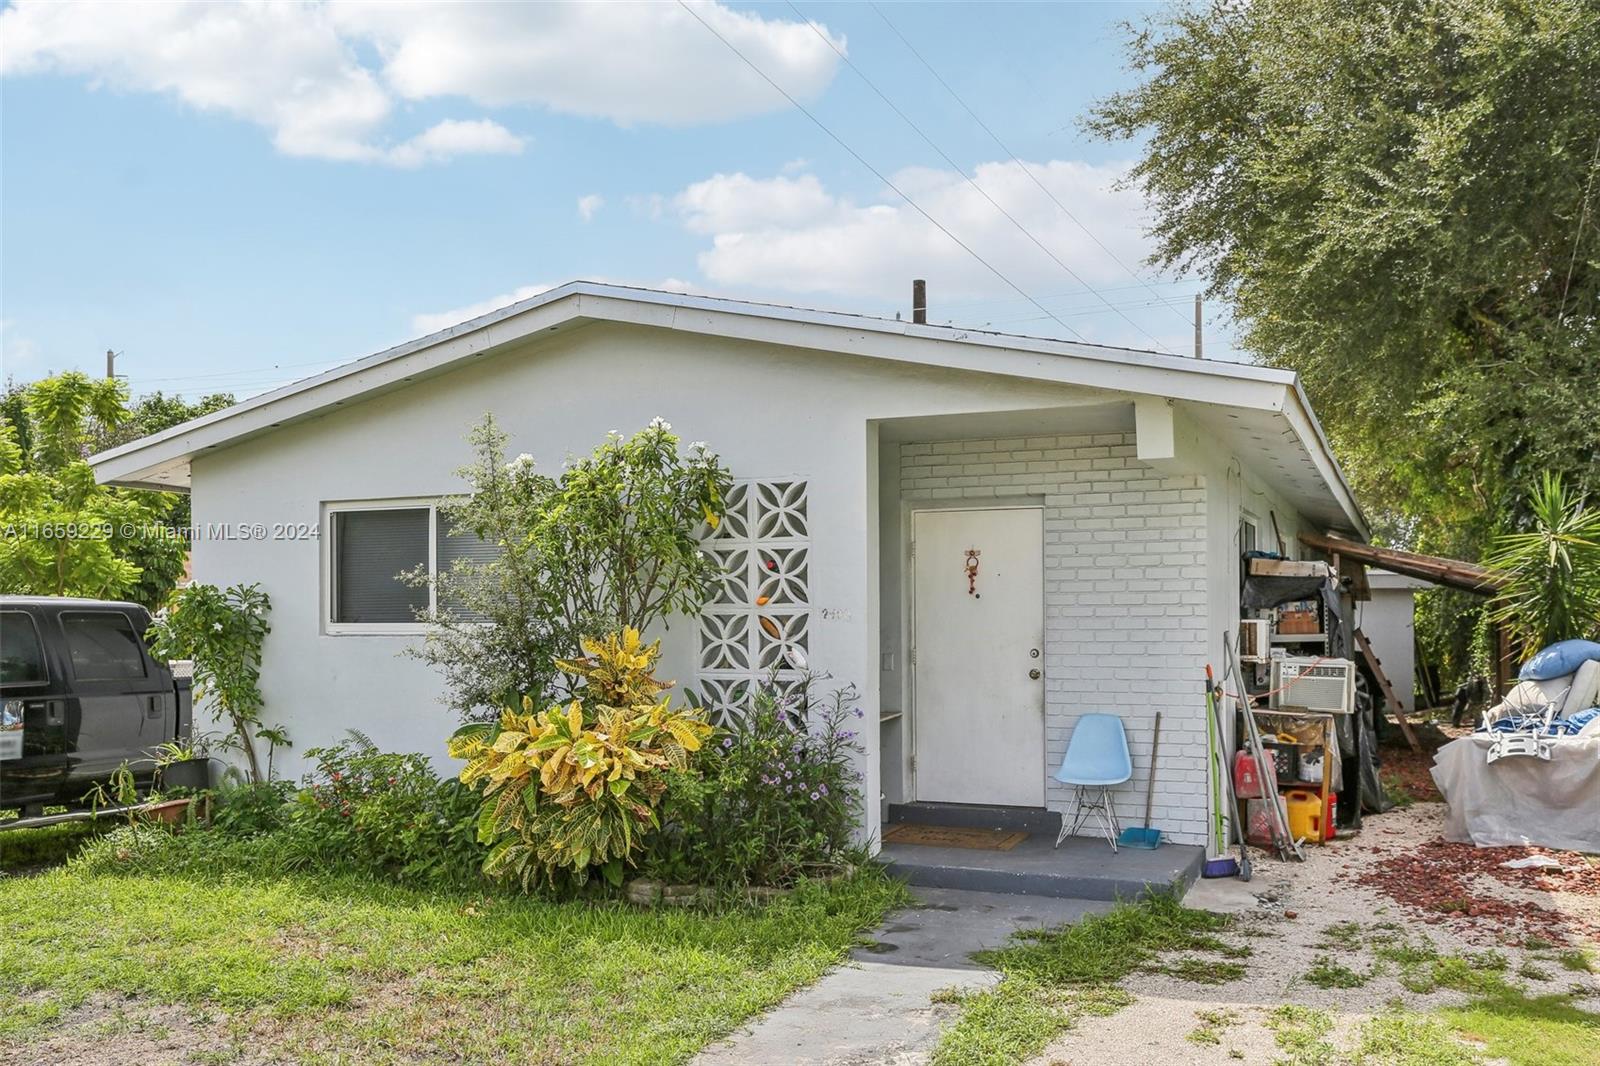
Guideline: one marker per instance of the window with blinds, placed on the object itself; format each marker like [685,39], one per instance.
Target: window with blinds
[451,547]
[374,548]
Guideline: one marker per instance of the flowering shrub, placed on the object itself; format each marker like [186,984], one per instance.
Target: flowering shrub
[576,786]
[608,542]
[383,813]
[778,797]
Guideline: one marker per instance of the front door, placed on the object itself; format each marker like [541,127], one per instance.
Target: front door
[977,655]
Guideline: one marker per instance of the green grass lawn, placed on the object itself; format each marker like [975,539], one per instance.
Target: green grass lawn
[342,969]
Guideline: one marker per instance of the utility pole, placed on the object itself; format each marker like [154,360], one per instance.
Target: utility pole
[111,363]
[919,301]
[1197,347]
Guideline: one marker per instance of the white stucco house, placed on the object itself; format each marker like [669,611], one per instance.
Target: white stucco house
[988,534]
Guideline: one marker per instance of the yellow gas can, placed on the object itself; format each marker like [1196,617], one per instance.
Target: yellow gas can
[1305,814]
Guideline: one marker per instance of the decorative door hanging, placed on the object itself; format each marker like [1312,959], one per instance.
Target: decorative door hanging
[971,569]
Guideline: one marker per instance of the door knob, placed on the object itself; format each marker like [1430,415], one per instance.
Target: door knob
[1034,673]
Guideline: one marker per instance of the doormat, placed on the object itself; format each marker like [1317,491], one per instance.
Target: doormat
[948,836]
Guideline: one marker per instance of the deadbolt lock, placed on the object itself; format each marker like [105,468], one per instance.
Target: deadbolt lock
[1034,673]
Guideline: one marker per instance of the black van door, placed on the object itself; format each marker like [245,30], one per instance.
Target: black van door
[33,711]
[123,705]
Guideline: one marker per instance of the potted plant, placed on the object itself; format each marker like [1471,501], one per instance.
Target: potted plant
[184,764]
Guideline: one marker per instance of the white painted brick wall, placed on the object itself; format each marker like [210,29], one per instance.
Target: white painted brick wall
[1125,599]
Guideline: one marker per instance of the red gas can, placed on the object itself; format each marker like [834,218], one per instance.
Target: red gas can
[1328,829]
[1246,775]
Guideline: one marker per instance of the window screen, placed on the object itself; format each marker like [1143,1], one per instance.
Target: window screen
[1247,536]
[103,646]
[21,656]
[453,546]
[371,548]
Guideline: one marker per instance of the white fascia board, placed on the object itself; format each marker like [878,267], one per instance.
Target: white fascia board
[1315,442]
[1121,370]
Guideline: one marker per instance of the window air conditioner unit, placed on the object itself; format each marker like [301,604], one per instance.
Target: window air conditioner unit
[1317,685]
[1253,640]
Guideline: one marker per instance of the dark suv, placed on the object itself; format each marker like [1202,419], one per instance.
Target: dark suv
[80,694]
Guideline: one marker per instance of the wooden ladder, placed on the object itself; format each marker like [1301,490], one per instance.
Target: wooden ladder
[1388,690]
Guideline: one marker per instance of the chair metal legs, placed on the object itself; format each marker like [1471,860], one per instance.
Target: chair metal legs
[1089,802]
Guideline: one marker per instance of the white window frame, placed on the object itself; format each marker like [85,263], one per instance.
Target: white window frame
[407,503]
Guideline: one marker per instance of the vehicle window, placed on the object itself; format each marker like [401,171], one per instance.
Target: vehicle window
[103,646]
[21,654]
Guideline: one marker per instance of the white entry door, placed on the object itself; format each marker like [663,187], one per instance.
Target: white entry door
[977,643]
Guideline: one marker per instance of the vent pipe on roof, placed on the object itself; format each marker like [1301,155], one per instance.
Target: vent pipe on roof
[919,302]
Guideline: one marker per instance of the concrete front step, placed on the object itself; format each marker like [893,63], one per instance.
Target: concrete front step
[1082,868]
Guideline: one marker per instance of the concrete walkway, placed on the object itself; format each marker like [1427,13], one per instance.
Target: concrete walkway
[877,1008]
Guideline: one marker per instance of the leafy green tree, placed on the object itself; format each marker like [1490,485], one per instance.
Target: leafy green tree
[62,534]
[65,535]
[1399,201]
[611,543]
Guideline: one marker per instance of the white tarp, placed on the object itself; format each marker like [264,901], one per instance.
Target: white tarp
[1522,799]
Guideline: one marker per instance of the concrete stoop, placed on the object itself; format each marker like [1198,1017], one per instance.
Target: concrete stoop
[1082,868]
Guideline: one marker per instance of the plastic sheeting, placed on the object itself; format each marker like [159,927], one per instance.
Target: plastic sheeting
[1520,799]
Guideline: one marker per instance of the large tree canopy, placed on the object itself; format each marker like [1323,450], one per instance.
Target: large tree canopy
[1398,201]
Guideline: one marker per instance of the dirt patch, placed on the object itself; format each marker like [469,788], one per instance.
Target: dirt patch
[116,1030]
[1351,909]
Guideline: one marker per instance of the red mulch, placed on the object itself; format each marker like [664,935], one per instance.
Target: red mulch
[1434,881]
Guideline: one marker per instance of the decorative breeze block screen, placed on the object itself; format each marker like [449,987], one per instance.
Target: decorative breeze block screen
[758,621]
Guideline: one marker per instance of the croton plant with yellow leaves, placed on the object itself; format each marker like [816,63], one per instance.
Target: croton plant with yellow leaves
[576,786]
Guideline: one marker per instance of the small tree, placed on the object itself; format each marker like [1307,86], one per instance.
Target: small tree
[1551,570]
[610,544]
[222,631]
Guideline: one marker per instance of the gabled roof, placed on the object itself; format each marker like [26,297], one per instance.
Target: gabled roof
[162,459]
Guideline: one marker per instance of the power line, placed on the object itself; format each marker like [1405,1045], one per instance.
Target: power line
[1012,155]
[875,171]
[959,169]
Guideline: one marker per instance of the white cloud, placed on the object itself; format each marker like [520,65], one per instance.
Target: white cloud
[792,234]
[324,77]
[589,205]
[452,138]
[626,62]
[739,203]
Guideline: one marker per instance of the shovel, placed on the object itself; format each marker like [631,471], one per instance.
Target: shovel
[1146,838]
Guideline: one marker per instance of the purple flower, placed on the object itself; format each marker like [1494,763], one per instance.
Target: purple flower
[822,789]
[727,742]
[788,774]
[857,713]
[813,795]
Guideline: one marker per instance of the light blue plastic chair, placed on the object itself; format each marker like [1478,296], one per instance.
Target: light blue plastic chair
[1097,758]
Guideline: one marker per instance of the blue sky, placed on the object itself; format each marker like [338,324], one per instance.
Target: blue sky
[234,197]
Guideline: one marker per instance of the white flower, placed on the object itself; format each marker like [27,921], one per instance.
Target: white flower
[216,627]
[660,423]
[520,462]
[698,446]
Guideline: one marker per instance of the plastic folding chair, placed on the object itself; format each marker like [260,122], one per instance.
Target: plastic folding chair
[1097,758]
